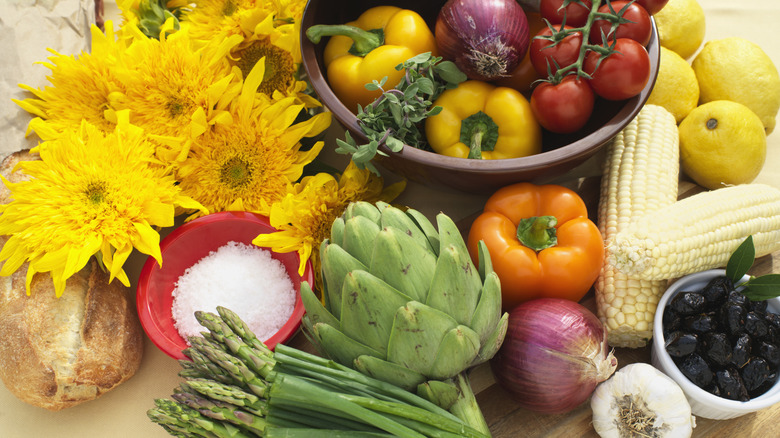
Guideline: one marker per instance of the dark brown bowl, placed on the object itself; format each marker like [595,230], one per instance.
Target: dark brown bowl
[560,153]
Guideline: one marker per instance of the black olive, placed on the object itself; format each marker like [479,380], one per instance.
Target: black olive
[701,323]
[732,317]
[768,384]
[713,389]
[773,319]
[679,344]
[740,353]
[755,373]
[757,306]
[695,368]
[717,290]
[671,320]
[717,348]
[770,352]
[736,298]
[730,384]
[687,303]
[755,325]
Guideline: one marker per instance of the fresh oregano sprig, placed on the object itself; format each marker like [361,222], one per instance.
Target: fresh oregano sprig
[759,288]
[394,118]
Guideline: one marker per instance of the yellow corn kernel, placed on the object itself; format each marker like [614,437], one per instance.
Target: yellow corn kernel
[698,233]
[640,175]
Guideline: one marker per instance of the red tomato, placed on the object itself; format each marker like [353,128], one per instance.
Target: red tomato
[565,107]
[623,74]
[564,53]
[652,6]
[638,28]
[576,14]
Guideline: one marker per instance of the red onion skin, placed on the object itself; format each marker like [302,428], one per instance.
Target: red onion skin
[538,362]
[496,28]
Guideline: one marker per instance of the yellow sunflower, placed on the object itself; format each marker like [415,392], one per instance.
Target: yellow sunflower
[80,89]
[91,193]
[173,90]
[251,163]
[305,215]
[267,30]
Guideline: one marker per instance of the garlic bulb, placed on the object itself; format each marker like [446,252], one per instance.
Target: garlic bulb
[639,400]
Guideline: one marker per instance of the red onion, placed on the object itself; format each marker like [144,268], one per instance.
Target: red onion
[486,39]
[554,354]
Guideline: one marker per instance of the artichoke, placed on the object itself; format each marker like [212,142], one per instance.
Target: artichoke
[404,303]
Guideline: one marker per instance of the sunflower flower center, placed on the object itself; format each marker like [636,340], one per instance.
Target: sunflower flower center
[279,65]
[236,173]
[229,8]
[96,192]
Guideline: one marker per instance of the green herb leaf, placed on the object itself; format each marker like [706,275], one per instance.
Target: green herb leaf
[395,117]
[741,260]
[762,288]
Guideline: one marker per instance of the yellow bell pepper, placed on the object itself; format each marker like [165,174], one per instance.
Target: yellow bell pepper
[369,49]
[480,120]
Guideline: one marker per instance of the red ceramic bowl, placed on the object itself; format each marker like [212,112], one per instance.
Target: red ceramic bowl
[561,153]
[184,247]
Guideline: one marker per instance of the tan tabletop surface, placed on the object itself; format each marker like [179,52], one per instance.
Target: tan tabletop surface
[122,412]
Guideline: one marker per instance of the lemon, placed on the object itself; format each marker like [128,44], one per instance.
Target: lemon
[722,143]
[681,26]
[676,88]
[739,70]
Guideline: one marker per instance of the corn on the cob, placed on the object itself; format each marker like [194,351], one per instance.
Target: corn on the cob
[698,233]
[640,175]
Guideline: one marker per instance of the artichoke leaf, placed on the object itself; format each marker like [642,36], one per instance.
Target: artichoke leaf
[362,208]
[417,333]
[389,372]
[340,347]
[336,264]
[396,218]
[315,311]
[485,262]
[402,263]
[444,393]
[456,353]
[449,234]
[359,235]
[493,343]
[456,285]
[427,227]
[368,308]
[337,231]
[488,310]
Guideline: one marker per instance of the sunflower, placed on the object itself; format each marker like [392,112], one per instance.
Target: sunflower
[173,90]
[251,163]
[80,89]
[91,193]
[269,30]
[305,215]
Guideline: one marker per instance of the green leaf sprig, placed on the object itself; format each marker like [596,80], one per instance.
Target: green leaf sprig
[759,288]
[393,119]
[604,50]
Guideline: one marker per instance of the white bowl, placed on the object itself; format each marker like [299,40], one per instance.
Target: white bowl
[703,404]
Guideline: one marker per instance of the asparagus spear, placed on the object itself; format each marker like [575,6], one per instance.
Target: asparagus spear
[222,411]
[188,421]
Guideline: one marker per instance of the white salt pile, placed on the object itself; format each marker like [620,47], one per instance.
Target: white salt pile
[240,277]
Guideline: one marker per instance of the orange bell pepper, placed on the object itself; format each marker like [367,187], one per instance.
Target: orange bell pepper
[541,242]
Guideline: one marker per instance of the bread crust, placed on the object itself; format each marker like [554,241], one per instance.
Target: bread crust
[59,352]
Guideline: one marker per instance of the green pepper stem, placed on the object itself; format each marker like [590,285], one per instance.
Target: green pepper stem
[537,232]
[364,40]
[479,132]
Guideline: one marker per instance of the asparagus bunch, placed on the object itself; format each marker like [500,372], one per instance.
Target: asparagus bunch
[234,386]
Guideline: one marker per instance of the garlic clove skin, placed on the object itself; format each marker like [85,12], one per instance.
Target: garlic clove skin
[639,400]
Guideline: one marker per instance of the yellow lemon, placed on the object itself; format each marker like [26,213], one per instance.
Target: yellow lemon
[681,26]
[739,70]
[722,143]
[676,88]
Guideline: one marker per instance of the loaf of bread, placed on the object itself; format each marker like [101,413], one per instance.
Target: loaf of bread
[58,352]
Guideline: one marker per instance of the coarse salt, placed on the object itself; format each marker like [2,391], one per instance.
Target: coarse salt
[243,278]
